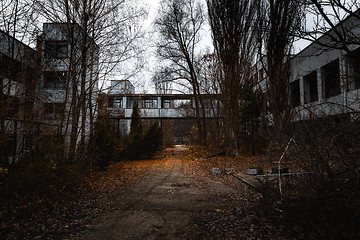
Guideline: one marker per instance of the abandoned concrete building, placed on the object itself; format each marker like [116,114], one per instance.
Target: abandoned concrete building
[154,107]
[325,76]
[18,76]
[37,90]
[60,77]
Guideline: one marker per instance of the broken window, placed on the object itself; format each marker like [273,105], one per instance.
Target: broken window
[55,80]
[150,103]
[118,102]
[11,68]
[311,87]
[11,106]
[331,78]
[166,103]
[354,70]
[110,102]
[56,49]
[53,110]
[295,93]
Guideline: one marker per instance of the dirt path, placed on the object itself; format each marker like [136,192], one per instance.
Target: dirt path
[160,207]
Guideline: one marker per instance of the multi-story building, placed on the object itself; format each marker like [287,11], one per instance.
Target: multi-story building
[18,78]
[44,90]
[325,76]
[69,82]
[121,87]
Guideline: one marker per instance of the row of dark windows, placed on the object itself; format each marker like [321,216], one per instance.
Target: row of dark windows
[117,102]
[330,74]
[11,108]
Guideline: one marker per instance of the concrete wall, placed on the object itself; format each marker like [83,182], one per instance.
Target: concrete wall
[313,59]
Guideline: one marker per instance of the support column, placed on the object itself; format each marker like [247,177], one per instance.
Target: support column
[320,85]
[343,80]
[159,102]
[302,91]
[124,102]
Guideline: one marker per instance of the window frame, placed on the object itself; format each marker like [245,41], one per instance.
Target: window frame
[310,80]
[332,84]
[59,78]
[56,49]
[53,111]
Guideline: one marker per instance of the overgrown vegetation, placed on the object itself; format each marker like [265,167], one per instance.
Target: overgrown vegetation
[329,148]
[140,143]
[26,186]
[249,119]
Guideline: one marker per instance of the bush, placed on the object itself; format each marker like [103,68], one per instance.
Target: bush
[152,140]
[139,143]
[102,146]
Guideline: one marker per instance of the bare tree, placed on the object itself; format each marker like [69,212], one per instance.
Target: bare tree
[234,32]
[163,80]
[179,25]
[282,21]
[100,35]
[328,15]
[16,77]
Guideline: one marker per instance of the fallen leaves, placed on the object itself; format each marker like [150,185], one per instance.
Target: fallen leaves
[66,214]
[239,214]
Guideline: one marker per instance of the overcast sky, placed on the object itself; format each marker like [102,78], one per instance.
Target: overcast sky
[145,84]
[153,7]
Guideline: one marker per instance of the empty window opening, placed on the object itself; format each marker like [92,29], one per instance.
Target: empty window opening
[311,87]
[110,102]
[331,78]
[295,93]
[11,68]
[53,110]
[354,70]
[54,80]
[118,103]
[56,49]
[150,103]
[166,104]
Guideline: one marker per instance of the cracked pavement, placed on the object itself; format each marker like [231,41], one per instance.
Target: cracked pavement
[161,206]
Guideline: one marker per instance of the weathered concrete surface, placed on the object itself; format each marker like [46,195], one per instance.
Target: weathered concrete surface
[159,207]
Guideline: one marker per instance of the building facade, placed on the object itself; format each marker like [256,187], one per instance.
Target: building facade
[48,97]
[325,76]
[18,79]
[69,81]
[121,87]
